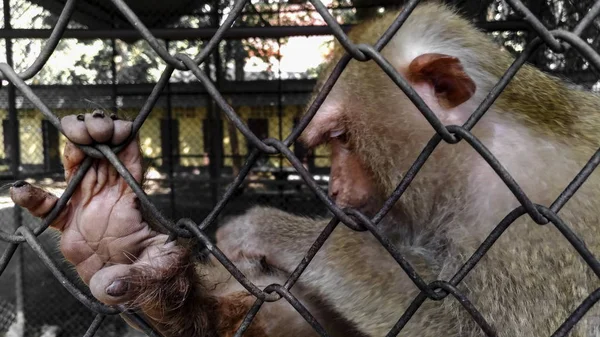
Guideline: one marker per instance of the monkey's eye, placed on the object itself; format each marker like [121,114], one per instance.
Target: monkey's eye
[341,135]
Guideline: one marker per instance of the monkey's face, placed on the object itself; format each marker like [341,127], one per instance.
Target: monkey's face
[375,132]
[350,182]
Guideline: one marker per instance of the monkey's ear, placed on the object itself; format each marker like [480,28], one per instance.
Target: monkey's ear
[446,75]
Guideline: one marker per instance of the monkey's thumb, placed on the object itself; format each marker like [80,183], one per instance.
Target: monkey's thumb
[112,285]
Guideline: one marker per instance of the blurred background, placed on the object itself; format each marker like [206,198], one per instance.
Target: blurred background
[265,67]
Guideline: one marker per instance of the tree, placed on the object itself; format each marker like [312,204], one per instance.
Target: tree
[135,62]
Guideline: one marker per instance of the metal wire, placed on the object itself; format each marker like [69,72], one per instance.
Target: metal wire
[557,40]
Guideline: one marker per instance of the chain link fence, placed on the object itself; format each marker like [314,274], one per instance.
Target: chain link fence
[260,145]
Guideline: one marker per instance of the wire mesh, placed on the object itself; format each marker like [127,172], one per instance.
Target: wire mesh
[557,40]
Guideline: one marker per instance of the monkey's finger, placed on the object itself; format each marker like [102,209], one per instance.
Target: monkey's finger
[72,158]
[131,157]
[75,129]
[122,130]
[112,285]
[99,126]
[37,201]
[127,283]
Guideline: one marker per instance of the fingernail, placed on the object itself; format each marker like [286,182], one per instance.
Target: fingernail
[114,116]
[117,288]
[98,114]
[20,183]
[80,117]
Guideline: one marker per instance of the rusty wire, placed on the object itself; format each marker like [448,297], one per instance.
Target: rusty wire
[557,40]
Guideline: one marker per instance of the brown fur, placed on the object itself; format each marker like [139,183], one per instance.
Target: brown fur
[174,304]
[178,303]
[230,313]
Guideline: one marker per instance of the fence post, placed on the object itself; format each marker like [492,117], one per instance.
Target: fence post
[216,124]
[172,146]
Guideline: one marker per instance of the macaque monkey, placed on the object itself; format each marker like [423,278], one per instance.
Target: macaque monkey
[541,130]
[527,284]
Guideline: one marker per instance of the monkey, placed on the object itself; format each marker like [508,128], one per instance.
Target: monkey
[527,284]
[542,131]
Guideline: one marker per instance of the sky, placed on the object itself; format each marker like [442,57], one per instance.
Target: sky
[297,55]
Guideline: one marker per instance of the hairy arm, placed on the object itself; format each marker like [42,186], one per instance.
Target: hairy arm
[352,272]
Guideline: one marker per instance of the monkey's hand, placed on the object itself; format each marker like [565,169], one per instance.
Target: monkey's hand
[279,238]
[103,234]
